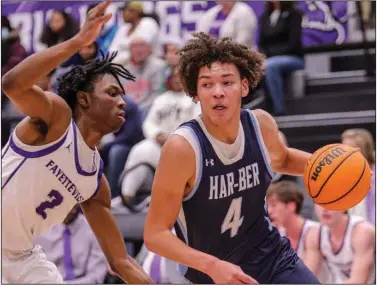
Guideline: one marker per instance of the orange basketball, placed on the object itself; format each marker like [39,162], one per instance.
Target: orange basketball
[337,177]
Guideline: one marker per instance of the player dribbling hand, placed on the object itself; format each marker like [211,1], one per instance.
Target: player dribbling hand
[223,272]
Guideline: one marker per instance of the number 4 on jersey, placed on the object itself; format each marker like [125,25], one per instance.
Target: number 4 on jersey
[233,220]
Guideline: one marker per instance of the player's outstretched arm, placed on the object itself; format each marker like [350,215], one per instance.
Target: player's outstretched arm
[97,212]
[312,257]
[284,160]
[176,167]
[19,83]
[363,244]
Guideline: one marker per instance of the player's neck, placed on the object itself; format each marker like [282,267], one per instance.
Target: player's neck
[337,231]
[226,133]
[90,135]
[294,226]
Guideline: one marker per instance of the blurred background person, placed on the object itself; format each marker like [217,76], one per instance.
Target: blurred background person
[280,40]
[167,112]
[285,200]
[12,51]
[346,242]
[148,70]
[74,249]
[115,148]
[230,19]
[107,34]
[171,46]
[362,139]
[60,27]
[136,25]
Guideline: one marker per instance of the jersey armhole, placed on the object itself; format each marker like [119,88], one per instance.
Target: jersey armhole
[260,140]
[189,135]
[99,175]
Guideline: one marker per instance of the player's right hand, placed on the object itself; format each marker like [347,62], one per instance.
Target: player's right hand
[223,272]
[93,24]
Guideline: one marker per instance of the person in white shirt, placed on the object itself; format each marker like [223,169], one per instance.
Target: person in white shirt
[362,139]
[236,20]
[136,26]
[346,242]
[73,248]
[167,112]
[285,201]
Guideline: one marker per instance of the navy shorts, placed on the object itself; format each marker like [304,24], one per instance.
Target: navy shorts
[300,274]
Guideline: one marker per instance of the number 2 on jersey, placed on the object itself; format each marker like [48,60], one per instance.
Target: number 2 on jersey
[57,199]
[233,220]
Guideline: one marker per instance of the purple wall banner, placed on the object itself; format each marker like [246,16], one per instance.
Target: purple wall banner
[322,23]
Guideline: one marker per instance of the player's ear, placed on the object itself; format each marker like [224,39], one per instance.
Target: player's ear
[292,206]
[195,99]
[83,99]
[245,87]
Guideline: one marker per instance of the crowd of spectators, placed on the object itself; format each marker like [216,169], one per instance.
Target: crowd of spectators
[156,106]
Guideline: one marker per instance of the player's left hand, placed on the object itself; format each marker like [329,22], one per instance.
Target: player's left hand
[93,24]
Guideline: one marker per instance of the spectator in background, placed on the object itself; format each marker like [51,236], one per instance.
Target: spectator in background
[167,112]
[281,41]
[231,19]
[12,52]
[107,34]
[346,242]
[171,46]
[115,148]
[137,25]
[285,200]
[362,139]
[148,71]
[60,28]
[73,248]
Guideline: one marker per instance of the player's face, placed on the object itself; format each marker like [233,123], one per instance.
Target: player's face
[219,90]
[328,217]
[278,211]
[107,105]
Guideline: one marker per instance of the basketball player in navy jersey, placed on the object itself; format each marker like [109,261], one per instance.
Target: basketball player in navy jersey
[50,162]
[218,168]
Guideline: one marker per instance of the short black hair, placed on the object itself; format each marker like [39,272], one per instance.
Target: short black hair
[204,49]
[82,78]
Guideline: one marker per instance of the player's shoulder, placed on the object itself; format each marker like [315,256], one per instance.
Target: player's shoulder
[313,234]
[178,143]
[261,115]
[363,228]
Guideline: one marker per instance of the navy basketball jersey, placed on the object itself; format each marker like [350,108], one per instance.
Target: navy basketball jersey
[225,215]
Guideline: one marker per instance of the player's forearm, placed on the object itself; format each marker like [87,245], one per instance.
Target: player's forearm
[27,73]
[294,163]
[130,271]
[166,244]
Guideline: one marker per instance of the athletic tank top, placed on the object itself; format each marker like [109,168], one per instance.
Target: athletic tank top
[225,214]
[340,262]
[41,184]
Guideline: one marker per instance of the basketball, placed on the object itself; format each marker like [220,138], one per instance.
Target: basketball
[337,177]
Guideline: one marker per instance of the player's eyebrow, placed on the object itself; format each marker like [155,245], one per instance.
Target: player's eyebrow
[208,77]
[113,86]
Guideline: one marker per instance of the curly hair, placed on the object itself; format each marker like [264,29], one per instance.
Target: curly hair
[82,78]
[204,49]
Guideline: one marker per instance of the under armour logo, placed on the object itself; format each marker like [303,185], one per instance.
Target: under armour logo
[209,162]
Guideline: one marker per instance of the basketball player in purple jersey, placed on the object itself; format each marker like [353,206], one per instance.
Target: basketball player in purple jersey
[51,163]
[218,167]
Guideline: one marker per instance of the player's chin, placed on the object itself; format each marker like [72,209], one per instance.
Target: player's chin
[116,126]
